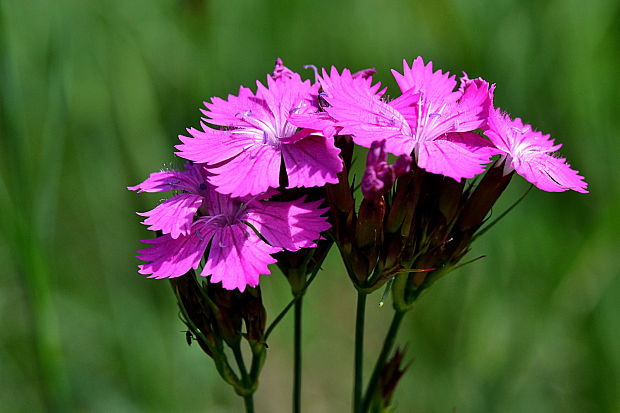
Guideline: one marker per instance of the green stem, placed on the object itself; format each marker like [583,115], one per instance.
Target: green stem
[241,363]
[359,350]
[286,309]
[297,358]
[249,403]
[388,343]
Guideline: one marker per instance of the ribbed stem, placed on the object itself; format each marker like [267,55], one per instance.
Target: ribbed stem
[297,357]
[359,350]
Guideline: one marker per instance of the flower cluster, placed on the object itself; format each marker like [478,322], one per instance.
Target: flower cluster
[266,180]
[290,134]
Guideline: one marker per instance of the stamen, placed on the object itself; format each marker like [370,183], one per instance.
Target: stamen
[243,115]
[316,71]
[521,131]
[245,205]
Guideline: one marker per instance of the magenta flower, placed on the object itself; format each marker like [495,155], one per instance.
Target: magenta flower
[532,155]
[227,229]
[245,158]
[429,119]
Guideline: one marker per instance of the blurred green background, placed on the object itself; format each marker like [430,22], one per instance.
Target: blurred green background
[92,97]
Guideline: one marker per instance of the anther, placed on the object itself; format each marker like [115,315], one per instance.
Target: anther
[243,115]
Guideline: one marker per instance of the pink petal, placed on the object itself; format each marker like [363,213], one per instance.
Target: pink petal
[514,137]
[252,172]
[281,71]
[213,146]
[406,104]
[440,109]
[299,135]
[318,121]
[473,106]
[361,113]
[530,153]
[169,257]
[237,257]
[313,161]
[225,112]
[187,180]
[421,78]
[458,155]
[286,96]
[334,79]
[550,173]
[289,225]
[174,216]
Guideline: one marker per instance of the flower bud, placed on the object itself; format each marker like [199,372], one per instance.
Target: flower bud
[227,312]
[365,73]
[340,200]
[483,198]
[450,194]
[404,203]
[378,175]
[253,314]
[369,226]
[390,375]
[195,308]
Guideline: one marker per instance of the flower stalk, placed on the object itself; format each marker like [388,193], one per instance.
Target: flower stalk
[297,359]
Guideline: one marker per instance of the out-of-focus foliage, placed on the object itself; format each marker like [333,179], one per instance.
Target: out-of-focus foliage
[92,96]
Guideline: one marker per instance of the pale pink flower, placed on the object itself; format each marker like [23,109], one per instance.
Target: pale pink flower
[245,157]
[532,155]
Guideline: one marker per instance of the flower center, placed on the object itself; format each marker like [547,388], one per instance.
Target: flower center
[521,145]
[269,129]
[429,119]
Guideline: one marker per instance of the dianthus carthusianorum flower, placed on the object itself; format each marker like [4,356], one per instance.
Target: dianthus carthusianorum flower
[429,120]
[530,154]
[244,156]
[235,235]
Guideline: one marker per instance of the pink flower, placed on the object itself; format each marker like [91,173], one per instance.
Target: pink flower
[429,119]
[236,235]
[531,154]
[245,158]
